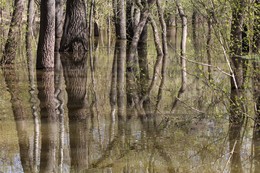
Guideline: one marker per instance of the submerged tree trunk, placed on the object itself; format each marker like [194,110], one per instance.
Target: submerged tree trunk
[75,37]
[12,42]
[46,44]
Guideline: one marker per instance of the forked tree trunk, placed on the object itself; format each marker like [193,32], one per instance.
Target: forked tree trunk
[45,51]
[75,37]
[12,42]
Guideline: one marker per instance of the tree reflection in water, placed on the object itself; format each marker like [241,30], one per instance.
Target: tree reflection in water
[23,120]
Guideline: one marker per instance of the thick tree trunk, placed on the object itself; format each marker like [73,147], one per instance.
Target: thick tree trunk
[12,42]
[46,44]
[58,22]
[75,74]
[75,37]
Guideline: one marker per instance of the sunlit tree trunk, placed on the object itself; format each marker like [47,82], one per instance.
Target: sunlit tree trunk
[75,32]
[12,42]
[58,22]
[120,18]
[46,44]
[183,53]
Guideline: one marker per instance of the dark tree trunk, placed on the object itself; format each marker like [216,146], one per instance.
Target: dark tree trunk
[208,47]
[238,64]
[235,147]
[75,37]
[58,22]
[46,44]
[12,42]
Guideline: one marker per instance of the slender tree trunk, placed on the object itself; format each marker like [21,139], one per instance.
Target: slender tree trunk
[12,42]
[58,22]
[256,67]
[183,54]
[75,35]
[237,85]
[208,48]
[163,26]
[121,80]
[120,19]
[91,17]
[46,44]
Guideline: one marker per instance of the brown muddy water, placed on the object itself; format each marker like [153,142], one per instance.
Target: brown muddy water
[93,127]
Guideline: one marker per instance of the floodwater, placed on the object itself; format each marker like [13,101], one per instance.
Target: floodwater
[79,118]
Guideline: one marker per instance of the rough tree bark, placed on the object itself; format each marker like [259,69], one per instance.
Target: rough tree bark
[75,35]
[11,44]
[45,51]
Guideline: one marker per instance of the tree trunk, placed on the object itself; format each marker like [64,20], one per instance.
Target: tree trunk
[208,47]
[58,23]
[75,74]
[46,44]
[183,54]
[120,19]
[12,42]
[22,120]
[74,38]
[163,26]
[237,83]
[91,17]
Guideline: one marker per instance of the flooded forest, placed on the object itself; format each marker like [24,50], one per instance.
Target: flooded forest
[130,86]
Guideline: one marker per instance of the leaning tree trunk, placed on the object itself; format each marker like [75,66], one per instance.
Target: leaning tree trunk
[13,34]
[75,35]
[45,51]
